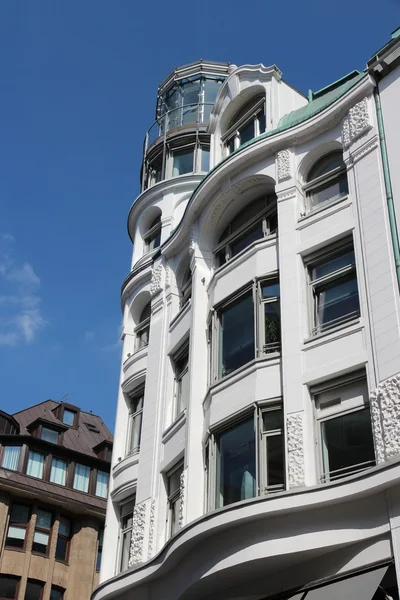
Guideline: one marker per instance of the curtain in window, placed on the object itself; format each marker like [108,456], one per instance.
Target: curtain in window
[35,464]
[11,457]
[58,471]
[102,484]
[81,479]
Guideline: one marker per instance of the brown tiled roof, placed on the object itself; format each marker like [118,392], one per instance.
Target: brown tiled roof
[80,439]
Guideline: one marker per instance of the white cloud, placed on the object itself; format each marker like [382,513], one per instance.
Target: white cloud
[21,317]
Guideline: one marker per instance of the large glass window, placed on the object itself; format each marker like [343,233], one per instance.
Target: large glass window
[58,472]
[142,330]
[69,417]
[49,435]
[34,590]
[10,457]
[35,464]
[181,367]
[236,464]
[326,181]
[174,498]
[126,524]
[135,422]
[18,524]
[345,428]
[248,123]
[41,537]
[63,539]
[152,238]
[236,323]
[254,222]
[81,478]
[334,288]
[102,484]
[182,161]
[9,587]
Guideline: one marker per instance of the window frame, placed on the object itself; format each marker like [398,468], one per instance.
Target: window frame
[334,409]
[186,289]
[233,133]
[215,327]
[15,578]
[89,478]
[57,588]
[142,326]
[315,286]
[42,427]
[124,512]
[66,538]
[29,451]
[151,235]
[37,582]
[67,463]
[313,185]
[255,412]
[136,394]
[99,553]
[181,354]
[19,525]
[44,530]
[263,217]
[2,453]
[97,481]
[173,497]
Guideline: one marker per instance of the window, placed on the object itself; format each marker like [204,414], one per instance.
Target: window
[10,457]
[49,435]
[142,330]
[35,464]
[245,326]
[333,283]
[9,587]
[135,422]
[56,593]
[254,222]
[18,524]
[205,159]
[344,423]
[181,367]
[99,549]
[182,161]
[63,539]
[152,238]
[326,181]
[58,472]
[247,124]
[174,498]
[102,484]
[92,428]
[81,478]
[244,469]
[186,289]
[126,524]
[34,590]
[68,417]
[44,520]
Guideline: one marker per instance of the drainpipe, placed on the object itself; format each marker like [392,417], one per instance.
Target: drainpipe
[388,184]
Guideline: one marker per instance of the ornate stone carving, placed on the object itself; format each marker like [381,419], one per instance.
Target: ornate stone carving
[286,194]
[182,498]
[138,534]
[156,280]
[385,416]
[151,529]
[356,123]
[283,165]
[295,440]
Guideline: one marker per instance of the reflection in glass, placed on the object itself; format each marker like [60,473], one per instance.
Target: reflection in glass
[237,334]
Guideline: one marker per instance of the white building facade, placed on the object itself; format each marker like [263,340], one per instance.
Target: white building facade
[257,441]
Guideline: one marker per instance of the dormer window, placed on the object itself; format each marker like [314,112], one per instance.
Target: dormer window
[49,435]
[68,417]
[249,122]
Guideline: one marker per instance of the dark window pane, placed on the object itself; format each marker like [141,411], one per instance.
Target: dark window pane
[20,513]
[56,593]
[272,325]
[33,590]
[247,238]
[261,122]
[246,132]
[8,587]
[183,162]
[98,559]
[245,215]
[347,442]
[43,519]
[236,468]
[337,302]
[335,188]
[125,550]
[272,420]
[61,548]
[49,435]
[205,159]
[64,527]
[326,164]
[237,334]
[333,264]
[40,542]
[275,461]
[231,145]
[270,289]
[211,89]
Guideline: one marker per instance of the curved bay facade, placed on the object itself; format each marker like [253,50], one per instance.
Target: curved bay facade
[256,451]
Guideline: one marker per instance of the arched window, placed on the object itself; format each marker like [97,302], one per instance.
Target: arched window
[255,221]
[186,288]
[152,237]
[326,181]
[142,330]
[248,123]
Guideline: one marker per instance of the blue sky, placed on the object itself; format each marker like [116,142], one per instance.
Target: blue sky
[78,83]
